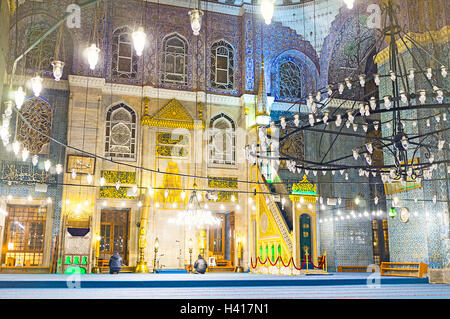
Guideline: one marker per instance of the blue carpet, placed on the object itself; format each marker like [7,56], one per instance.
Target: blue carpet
[172,271]
[180,280]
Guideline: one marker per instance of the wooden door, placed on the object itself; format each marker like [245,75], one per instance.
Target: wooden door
[217,238]
[114,230]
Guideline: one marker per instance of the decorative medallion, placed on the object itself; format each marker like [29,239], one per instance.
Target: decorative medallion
[404,215]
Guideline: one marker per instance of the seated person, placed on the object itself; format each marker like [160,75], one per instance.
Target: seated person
[200,265]
[115,263]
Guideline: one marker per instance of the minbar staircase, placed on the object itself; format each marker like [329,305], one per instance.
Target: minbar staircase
[282,221]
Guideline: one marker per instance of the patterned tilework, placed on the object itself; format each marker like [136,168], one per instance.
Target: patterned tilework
[425,238]
[58,101]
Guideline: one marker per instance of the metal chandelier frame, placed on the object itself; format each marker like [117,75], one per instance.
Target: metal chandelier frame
[405,147]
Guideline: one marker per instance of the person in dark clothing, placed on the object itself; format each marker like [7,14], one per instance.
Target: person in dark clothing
[115,263]
[200,265]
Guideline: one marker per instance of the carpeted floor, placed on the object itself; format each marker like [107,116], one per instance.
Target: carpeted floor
[231,286]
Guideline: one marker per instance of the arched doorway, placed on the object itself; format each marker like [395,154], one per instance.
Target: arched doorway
[305,235]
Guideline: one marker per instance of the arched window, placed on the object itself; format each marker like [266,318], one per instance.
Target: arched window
[38,113]
[120,135]
[290,86]
[222,140]
[174,63]
[124,58]
[222,65]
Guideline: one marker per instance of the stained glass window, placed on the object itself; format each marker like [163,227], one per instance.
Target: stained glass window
[124,58]
[222,140]
[290,81]
[174,62]
[38,114]
[222,65]
[120,135]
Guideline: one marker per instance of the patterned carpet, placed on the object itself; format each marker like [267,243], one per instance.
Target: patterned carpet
[424,291]
[401,288]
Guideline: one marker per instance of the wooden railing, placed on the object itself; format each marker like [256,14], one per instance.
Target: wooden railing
[404,269]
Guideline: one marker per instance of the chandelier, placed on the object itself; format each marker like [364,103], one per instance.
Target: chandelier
[195,215]
[409,123]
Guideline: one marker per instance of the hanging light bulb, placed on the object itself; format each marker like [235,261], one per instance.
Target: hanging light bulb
[19,97]
[373,103]
[348,83]
[325,118]
[392,75]
[369,148]
[233,198]
[423,96]
[92,54]
[431,159]
[338,120]
[283,122]
[89,179]
[441,144]
[405,142]
[117,184]
[403,96]
[365,127]
[318,96]
[329,90]
[296,119]
[183,195]
[311,119]
[57,69]
[25,154]
[411,73]
[350,117]
[34,160]
[36,85]
[355,127]
[375,200]
[47,165]
[139,204]
[346,176]
[439,95]
[377,79]
[16,147]
[58,169]
[267,8]
[362,80]
[387,102]
[102,181]
[349,3]
[429,73]
[375,125]
[341,88]
[366,108]
[444,71]
[362,110]
[355,154]
[139,38]
[339,200]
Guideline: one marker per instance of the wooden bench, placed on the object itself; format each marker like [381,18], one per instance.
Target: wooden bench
[404,269]
[352,269]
